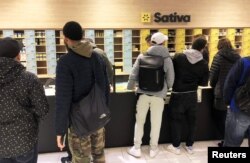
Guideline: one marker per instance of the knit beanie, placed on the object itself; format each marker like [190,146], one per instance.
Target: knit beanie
[9,47]
[73,31]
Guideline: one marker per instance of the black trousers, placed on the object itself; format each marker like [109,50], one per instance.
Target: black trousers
[219,114]
[220,120]
[183,110]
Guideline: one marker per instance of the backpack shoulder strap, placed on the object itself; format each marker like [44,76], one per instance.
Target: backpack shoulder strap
[94,61]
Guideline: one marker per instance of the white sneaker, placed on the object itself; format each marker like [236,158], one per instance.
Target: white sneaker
[175,150]
[134,152]
[153,153]
[189,149]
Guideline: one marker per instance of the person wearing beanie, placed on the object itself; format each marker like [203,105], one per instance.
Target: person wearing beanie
[73,31]
[191,71]
[76,73]
[23,105]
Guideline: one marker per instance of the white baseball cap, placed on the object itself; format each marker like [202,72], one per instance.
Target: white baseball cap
[159,38]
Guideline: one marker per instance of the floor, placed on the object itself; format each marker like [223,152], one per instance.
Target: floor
[120,155]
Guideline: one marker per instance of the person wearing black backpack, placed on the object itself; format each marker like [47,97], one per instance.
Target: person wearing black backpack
[152,82]
[191,71]
[237,120]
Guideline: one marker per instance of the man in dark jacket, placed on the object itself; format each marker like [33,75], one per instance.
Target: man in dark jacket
[74,80]
[22,106]
[237,122]
[191,70]
[222,63]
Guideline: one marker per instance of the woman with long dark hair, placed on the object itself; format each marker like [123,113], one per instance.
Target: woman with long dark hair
[222,63]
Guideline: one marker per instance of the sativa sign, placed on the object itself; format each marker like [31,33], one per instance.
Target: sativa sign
[171,18]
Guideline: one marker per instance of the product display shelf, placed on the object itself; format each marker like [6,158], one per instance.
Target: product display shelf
[238,39]
[60,46]
[1,34]
[41,59]
[136,45]
[118,50]
[43,47]
[20,36]
[99,39]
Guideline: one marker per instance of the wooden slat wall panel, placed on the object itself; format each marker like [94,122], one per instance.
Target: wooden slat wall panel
[120,13]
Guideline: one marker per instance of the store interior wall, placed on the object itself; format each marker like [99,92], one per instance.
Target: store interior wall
[30,14]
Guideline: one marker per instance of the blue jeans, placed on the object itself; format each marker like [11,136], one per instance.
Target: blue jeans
[29,157]
[237,124]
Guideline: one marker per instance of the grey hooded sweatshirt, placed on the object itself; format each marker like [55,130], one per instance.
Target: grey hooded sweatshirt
[193,56]
[156,50]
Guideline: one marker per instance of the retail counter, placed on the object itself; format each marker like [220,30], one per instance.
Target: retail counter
[120,130]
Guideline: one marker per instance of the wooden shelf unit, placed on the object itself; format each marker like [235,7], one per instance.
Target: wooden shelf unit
[121,45]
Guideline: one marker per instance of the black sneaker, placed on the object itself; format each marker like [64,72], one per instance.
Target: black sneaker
[220,144]
[66,159]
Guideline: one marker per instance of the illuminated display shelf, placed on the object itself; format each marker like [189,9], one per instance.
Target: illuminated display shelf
[122,46]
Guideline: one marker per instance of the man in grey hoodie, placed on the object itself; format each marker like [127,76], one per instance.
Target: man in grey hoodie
[191,70]
[152,100]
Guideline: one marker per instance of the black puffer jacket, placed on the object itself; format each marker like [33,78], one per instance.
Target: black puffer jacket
[22,104]
[74,80]
[222,63]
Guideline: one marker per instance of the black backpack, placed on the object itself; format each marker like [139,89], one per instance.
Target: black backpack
[151,73]
[242,97]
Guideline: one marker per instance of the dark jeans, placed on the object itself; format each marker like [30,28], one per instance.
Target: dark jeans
[183,108]
[237,124]
[29,157]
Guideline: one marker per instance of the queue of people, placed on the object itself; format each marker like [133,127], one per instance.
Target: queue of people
[85,68]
